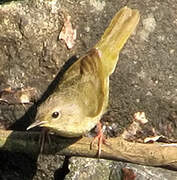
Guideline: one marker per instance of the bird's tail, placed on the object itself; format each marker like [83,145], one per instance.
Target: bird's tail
[115,36]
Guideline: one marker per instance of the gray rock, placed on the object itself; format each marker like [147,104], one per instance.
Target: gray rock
[88,169]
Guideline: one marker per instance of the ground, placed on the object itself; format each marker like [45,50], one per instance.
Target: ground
[145,79]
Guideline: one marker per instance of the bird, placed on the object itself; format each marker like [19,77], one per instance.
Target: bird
[81,98]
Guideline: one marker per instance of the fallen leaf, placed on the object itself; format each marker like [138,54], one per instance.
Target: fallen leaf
[135,127]
[68,34]
[140,117]
[18,96]
[128,174]
[152,139]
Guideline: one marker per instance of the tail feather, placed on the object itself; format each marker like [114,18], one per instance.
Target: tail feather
[115,36]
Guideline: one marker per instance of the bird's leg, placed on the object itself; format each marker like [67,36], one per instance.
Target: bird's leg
[43,136]
[100,137]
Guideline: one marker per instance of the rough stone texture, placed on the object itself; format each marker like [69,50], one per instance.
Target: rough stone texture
[146,173]
[145,78]
[94,169]
[88,169]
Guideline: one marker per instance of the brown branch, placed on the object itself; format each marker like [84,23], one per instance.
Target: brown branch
[156,154]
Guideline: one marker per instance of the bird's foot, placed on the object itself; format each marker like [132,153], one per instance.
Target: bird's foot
[99,137]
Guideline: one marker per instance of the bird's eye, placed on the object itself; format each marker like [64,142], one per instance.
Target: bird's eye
[55,114]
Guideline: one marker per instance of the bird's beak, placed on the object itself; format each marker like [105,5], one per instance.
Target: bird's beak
[37,123]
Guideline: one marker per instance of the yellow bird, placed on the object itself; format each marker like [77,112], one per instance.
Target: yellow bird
[81,98]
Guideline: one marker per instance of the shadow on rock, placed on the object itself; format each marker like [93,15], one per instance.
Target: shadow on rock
[6,1]
[19,165]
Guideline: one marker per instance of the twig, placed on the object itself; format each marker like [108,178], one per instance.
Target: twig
[155,154]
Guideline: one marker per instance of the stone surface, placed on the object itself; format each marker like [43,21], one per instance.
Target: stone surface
[94,169]
[145,78]
[88,169]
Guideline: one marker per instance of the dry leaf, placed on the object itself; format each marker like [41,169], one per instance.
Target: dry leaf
[18,96]
[68,34]
[140,117]
[128,174]
[131,132]
[152,139]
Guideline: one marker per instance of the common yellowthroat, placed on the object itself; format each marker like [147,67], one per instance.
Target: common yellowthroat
[81,98]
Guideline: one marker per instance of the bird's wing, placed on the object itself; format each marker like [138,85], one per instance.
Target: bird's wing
[94,85]
[85,78]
